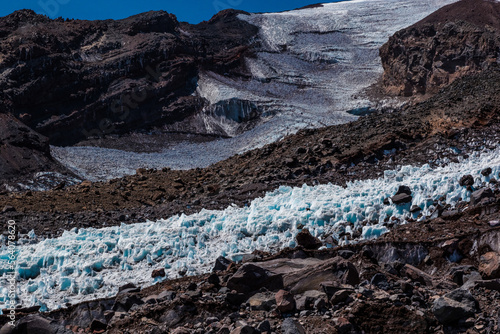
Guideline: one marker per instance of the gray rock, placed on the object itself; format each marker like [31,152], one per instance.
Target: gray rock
[171,318]
[478,195]
[264,326]
[262,301]
[340,296]
[166,296]
[453,306]
[292,326]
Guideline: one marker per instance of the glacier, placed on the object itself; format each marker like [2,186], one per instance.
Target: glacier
[312,67]
[93,263]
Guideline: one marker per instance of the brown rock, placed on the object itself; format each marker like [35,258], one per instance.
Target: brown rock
[306,240]
[285,301]
[489,265]
[158,273]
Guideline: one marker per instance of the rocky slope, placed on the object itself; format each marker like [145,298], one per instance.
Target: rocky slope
[70,80]
[23,152]
[460,117]
[458,39]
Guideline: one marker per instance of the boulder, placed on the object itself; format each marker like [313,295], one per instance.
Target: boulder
[380,281]
[306,240]
[454,306]
[477,196]
[124,302]
[418,275]
[306,300]
[340,296]
[158,273]
[251,277]
[285,301]
[466,181]
[402,198]
[221,264]
[171,318]
[244,330]
[489,265]
[486,171]
[403,190]
[262,301]
[292,326]
[35,324]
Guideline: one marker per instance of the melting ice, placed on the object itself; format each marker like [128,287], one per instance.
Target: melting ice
[92,263]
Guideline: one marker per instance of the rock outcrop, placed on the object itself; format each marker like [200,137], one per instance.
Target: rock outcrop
[459,39]
[72,79]
[23,152]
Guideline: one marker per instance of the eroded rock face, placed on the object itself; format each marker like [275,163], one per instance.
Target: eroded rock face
[22,150]
[71,80]
[457,40]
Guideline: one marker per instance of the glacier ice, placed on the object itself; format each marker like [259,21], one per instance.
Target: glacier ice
[92,263]
[327,57]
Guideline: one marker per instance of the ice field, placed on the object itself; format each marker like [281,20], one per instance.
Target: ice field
[92,263]
[312,67]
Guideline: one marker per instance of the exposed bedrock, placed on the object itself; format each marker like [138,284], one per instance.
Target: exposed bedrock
[73,79]
[22,151]
[459,39]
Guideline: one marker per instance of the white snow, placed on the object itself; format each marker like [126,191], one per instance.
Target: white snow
[312,67]
[93,263]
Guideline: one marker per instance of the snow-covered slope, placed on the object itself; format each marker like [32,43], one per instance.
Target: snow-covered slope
[312,67]
[91,263]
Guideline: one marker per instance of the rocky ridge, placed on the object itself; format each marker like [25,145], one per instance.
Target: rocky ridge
[71,79]
[458,39]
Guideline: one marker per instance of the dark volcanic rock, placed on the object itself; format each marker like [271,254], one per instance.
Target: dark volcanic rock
[480,194]
[221,264]
[401,199]
[251,277]
[306,240]
[459,39]
[23,152]
[72,79]
[466,181]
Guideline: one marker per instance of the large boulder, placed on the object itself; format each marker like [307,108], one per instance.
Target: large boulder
[489,265]
[292,326]
[307,240]
[454,306]
[35,324]
[477,196]
[285,301]
[251,277]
